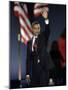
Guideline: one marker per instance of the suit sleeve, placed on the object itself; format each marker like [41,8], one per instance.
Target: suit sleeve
[47,30]
[28,59]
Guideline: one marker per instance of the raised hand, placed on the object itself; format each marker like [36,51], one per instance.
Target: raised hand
[45,12]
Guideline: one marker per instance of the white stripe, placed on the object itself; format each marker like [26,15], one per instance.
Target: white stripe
[24,34]
[26,28]
[25,8]
[22,40]
[16,8]
[19,9]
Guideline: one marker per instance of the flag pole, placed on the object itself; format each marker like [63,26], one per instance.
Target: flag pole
[19,59]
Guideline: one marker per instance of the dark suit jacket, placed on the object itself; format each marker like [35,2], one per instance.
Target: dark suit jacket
[45,60]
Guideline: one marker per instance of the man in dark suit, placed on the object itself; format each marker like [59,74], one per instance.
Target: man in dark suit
[38,59]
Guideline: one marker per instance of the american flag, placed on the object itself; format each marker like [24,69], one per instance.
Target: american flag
[21,11]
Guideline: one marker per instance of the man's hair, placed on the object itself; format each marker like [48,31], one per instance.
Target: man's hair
[35,22]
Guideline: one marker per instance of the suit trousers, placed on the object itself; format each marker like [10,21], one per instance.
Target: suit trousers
[39,76]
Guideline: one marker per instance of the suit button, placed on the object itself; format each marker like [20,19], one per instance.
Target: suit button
[38,61]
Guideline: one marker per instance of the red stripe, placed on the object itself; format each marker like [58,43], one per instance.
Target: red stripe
[25,41]
[16,13]
[26,23]
[25,31]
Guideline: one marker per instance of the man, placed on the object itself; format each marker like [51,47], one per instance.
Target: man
[38,60]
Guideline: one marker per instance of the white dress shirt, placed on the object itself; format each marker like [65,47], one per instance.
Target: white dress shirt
[34,37]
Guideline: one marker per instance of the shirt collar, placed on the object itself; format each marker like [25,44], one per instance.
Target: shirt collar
[35,36]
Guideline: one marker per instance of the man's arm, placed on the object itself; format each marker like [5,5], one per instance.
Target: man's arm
[46,21]
[47,30]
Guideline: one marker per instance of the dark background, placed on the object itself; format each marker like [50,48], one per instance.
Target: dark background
[57,18]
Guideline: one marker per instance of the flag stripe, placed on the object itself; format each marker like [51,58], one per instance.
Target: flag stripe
[25,9]
[22,12]
[23,39]
[25,31]
[24,34]
[23,15]
[26,28]
[29,28]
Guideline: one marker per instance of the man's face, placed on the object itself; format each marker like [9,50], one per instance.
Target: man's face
[36,29]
